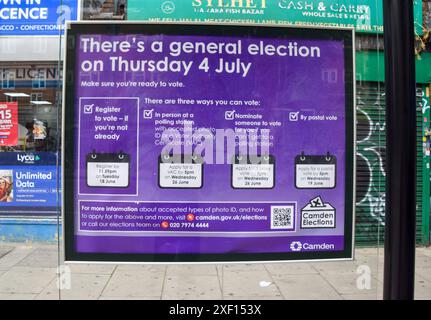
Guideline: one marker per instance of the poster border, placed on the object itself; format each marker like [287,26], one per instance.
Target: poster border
[76,28]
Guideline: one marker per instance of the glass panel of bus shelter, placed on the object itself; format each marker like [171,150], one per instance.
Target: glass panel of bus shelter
[30,134]
[31,252]
[180,218]
[253,210]
[423,254]
[31,228]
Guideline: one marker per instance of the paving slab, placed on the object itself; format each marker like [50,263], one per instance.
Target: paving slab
[92,268]
[129,298]
[368,250]
[245,298]
[82,287]
[26,279]
[186,287]
[364,296]
[424,273]
[290,268]
[346,283]
[141,268]
[28,271]
[426,251]
[15,256]
[4,250]
[422,261]
[241,267]
[247,283]
[17,296]
[422,288]
[191,270]
[336,267]
[305,287]
[372,259]
[41,258]
[135,284]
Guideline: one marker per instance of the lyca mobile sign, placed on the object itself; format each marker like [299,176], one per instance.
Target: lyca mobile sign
[364,15]
[35,17]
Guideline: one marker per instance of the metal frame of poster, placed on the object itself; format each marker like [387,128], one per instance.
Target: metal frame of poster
[85,192]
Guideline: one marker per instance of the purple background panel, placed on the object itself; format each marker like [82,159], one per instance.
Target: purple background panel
[281,85]
[189,245]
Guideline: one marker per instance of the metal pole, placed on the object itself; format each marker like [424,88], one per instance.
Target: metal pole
[401,149]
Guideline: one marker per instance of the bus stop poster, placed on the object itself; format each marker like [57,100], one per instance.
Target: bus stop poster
[208,143]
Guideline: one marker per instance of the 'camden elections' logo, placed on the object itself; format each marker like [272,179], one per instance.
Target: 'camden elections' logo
[168,7]
[296,246]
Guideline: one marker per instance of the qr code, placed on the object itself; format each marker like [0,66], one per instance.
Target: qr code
[282,217]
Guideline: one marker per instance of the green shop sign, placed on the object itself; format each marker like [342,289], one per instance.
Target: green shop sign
[364,15]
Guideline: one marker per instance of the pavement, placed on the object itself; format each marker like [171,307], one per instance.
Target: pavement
[29,271]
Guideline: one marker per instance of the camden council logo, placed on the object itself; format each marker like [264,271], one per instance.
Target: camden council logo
[168,7]
[296,246]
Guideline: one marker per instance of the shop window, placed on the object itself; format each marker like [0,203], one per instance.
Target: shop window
[8,80]
[58,98]
[39,83]
[10,99]
[36,96]
[105,10]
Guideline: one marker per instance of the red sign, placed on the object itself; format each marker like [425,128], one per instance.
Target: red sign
[8,123]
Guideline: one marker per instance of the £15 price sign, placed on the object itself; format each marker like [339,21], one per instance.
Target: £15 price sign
[8,124]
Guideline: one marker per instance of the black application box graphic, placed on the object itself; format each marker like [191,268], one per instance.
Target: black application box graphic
[108,170]
[180,171]
[315,171]
[253,172]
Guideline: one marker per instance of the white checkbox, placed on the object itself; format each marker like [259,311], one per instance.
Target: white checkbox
[229,115]
[148,114]
[88,108]
[293,116]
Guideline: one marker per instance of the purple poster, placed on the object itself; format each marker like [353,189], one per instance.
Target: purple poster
[208,143]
